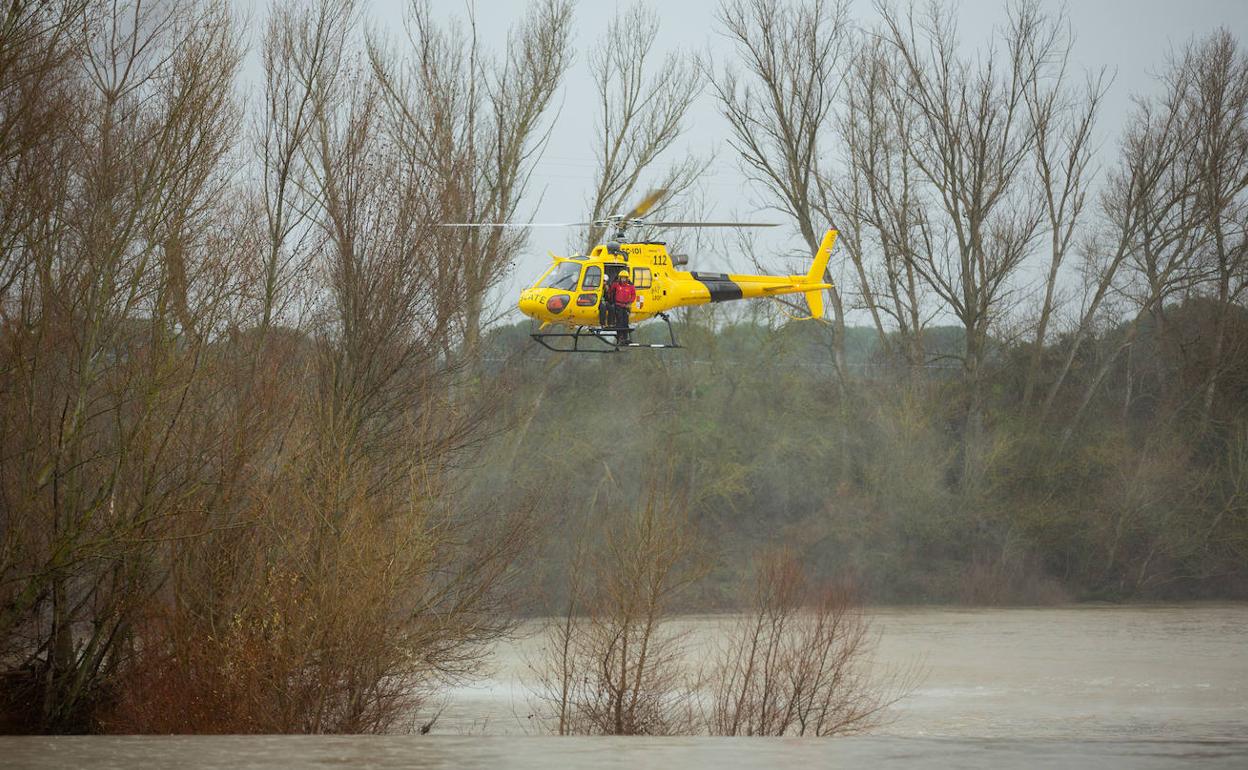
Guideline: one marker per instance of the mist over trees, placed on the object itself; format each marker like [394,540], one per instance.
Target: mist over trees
[268,463]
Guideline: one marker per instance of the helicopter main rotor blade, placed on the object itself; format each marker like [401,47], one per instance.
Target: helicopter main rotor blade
[646,203]
[712,224]
[513,224]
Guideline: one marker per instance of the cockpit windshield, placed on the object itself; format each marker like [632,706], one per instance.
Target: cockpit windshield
[563,276]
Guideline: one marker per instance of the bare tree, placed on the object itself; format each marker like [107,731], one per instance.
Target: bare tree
[779,107]
[1177,208]
[301,54]
[256,523]
[878,200]
[102,371]
[362,585]
[973,137]
[1218,103]
[487,133]
[38,45]
[1148,233]
[640,113]
[1062,153]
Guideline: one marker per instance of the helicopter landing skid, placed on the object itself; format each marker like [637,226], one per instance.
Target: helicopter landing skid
[607,336]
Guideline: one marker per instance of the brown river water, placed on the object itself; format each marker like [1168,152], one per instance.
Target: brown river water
[1081,686]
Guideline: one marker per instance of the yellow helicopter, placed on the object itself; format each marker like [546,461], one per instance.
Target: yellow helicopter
[569,295]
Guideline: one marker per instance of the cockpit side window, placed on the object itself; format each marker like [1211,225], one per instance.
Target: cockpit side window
[593,277]
[564,276]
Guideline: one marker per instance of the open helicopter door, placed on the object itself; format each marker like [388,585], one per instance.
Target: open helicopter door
[610,271]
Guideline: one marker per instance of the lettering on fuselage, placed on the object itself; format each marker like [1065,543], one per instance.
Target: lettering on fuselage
[657,260]
[658,256]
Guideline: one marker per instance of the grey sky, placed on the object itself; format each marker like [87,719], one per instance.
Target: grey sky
[1130,37]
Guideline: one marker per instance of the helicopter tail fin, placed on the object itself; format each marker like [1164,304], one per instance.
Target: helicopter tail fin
[814,299]
[821,258]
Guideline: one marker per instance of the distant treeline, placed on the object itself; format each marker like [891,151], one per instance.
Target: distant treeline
[1142,496]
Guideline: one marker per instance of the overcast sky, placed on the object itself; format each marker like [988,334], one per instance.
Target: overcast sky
[1129,37]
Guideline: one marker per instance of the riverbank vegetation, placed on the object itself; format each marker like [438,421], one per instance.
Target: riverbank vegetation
[269,462]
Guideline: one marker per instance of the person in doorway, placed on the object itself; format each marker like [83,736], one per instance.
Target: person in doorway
[622,295]
[606,307]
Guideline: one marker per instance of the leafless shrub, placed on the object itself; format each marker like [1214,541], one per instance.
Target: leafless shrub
[798,662]
[613,665]
[320,620]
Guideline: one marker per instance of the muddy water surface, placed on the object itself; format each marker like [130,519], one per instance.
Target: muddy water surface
[1086,686]
[1094,672]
